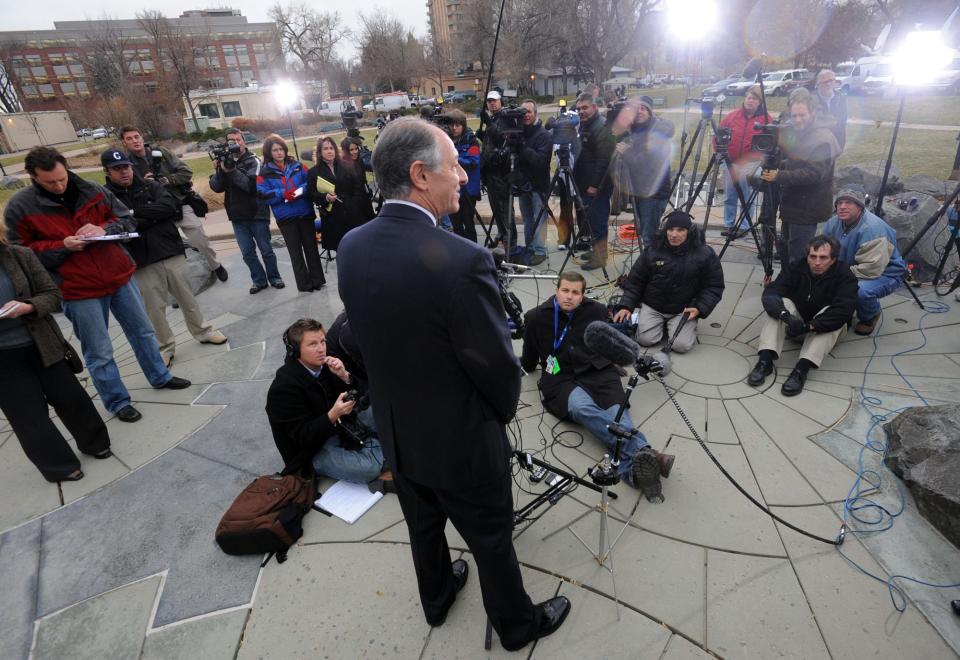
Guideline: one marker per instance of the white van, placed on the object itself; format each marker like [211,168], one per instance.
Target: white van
[852,75]
[879,77]
[387,102]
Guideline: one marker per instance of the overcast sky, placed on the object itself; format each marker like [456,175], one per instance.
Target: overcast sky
[24,15]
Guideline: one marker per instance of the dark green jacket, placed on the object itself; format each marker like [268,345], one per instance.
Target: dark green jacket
[33,284]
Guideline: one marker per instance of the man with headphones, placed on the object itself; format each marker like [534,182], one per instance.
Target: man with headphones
[310,412]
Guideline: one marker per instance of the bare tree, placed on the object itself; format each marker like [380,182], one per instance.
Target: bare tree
[390,55]
[107,53]
[9,101]
[309,36]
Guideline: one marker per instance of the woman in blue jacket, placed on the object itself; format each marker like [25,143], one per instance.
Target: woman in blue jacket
[282,184]
[469,159]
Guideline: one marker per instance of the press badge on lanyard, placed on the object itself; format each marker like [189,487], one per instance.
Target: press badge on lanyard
[553,364]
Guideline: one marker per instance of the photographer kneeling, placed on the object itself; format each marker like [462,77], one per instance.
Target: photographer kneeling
[310,412]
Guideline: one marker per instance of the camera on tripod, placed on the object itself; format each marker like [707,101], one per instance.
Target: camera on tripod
[224,154]
[510,120]
[348,119]
[565,130]
[723,135]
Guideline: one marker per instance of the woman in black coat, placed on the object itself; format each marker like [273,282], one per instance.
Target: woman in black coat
[34,373]
[341,210]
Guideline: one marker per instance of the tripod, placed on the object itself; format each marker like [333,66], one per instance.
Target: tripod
[954,229]
[696,143]
[563,180]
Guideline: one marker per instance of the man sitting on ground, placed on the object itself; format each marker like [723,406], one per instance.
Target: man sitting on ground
[678,275]
[868,247]
[307,406]
[580,385]
[812,301]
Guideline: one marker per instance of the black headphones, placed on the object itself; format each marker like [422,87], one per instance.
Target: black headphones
[292,351]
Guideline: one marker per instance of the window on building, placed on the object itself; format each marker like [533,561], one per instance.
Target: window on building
[232,109]
[30,91]
[209,110]
[61,71]
[68,89]
[38,71]
[46,90]
[82,88]
[235,79]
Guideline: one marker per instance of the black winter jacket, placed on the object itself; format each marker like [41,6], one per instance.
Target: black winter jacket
[578,364]
[836,290]
[668,279]
[155,212]
[494,168]
[806,174]
[596,149]
[533,166]
[297,406]
[239,188]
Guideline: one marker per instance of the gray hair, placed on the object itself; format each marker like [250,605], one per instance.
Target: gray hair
[802,95]
[403,142]
[823,73]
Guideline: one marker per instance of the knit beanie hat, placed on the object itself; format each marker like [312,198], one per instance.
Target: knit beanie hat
[852,195]
[647,103]
[679,219]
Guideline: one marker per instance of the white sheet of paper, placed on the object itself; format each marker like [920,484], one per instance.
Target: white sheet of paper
[111,237]
[347,500]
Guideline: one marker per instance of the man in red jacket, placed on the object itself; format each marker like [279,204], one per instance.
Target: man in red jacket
[741,123]
[68,222]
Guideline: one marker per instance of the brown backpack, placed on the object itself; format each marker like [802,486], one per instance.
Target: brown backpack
[267,516]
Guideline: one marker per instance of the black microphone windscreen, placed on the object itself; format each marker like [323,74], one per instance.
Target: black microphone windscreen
[610,343]
[752,68]
[664,360]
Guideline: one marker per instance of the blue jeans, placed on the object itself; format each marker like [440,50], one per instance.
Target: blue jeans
[253,234]
[870,293]
[360,466]
[91,318]
[648,212]
[530,206]
[598,208]
[731,202]
[582,409]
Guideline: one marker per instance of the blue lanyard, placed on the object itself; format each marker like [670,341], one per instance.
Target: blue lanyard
[556,325]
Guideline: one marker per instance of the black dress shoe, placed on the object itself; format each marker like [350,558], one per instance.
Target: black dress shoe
[176,384]
[277,284]
[129,414]
[760,373]
[257,288]
[794,383]
[460,570]
[553,613]
[221,273]
[106,453]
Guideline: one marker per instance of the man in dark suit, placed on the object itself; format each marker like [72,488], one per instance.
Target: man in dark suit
[426,314]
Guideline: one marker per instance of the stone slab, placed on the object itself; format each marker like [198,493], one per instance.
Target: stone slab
[211,638]
[235,364]
[110,625]
[719,427]
[160,517]
[756,609]
[25,493]
[20,550]
[679,648]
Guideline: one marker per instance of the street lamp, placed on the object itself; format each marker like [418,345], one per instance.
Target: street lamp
[287,94]
[922,56]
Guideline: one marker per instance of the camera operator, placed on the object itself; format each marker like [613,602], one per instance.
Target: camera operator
[644,151]
[495,170]
[310,412]
[805,174]
[469,158]
[590,173]
[178,178]
[743,124]
[532,181]
[235,175]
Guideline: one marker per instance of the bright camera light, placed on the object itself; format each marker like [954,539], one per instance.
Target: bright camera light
[286,93]
[691,19]
[922,56]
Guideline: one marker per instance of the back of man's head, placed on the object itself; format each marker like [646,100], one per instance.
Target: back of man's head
[403,142]
[43,158]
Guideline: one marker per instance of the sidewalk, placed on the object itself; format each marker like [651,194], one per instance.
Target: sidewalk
[122,564]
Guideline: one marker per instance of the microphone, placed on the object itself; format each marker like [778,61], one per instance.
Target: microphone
[752,68]
[500,261]
[611,344]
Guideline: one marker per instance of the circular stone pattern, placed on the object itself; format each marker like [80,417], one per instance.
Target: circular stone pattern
[711,365]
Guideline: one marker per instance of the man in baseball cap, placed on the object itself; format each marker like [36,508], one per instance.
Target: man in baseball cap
[113,158]
[868,246]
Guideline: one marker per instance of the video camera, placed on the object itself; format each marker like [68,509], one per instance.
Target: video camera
[510,120]
[767,142]
[225,154]
[348,119]
[565,130]
[723,135]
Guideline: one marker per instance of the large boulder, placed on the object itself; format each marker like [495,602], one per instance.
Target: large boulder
[928,185]
[925,256]
[868,177]
[923,449]
[12,183]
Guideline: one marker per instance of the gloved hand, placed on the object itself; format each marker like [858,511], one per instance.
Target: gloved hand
[288,195]
[795,325]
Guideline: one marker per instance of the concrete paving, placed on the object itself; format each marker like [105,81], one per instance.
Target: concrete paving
[123,564]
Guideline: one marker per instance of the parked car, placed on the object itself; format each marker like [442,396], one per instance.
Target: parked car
[99,133]
[775,83]
[880,79]
[946,81]
[852,75]
[720,86]
[84,132]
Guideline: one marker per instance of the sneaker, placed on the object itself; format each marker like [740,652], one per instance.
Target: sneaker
[646,475]
[866,328]
[221,273]
[277,284]
[175,384]
[129,414]
[257,288]
[214,337]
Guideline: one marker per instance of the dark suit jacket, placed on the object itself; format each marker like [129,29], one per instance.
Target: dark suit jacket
[426,313]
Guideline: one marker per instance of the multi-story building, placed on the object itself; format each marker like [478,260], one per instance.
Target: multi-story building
[448,24]
[48,67]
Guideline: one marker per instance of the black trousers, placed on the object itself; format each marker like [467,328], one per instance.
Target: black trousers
[26,387]
[301,239]
[500,208]
[484,517]
[463,220]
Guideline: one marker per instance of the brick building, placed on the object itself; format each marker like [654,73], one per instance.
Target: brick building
[48,67]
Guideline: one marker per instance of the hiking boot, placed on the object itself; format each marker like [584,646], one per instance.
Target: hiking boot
[866,328]
[646,475]
[665,461]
